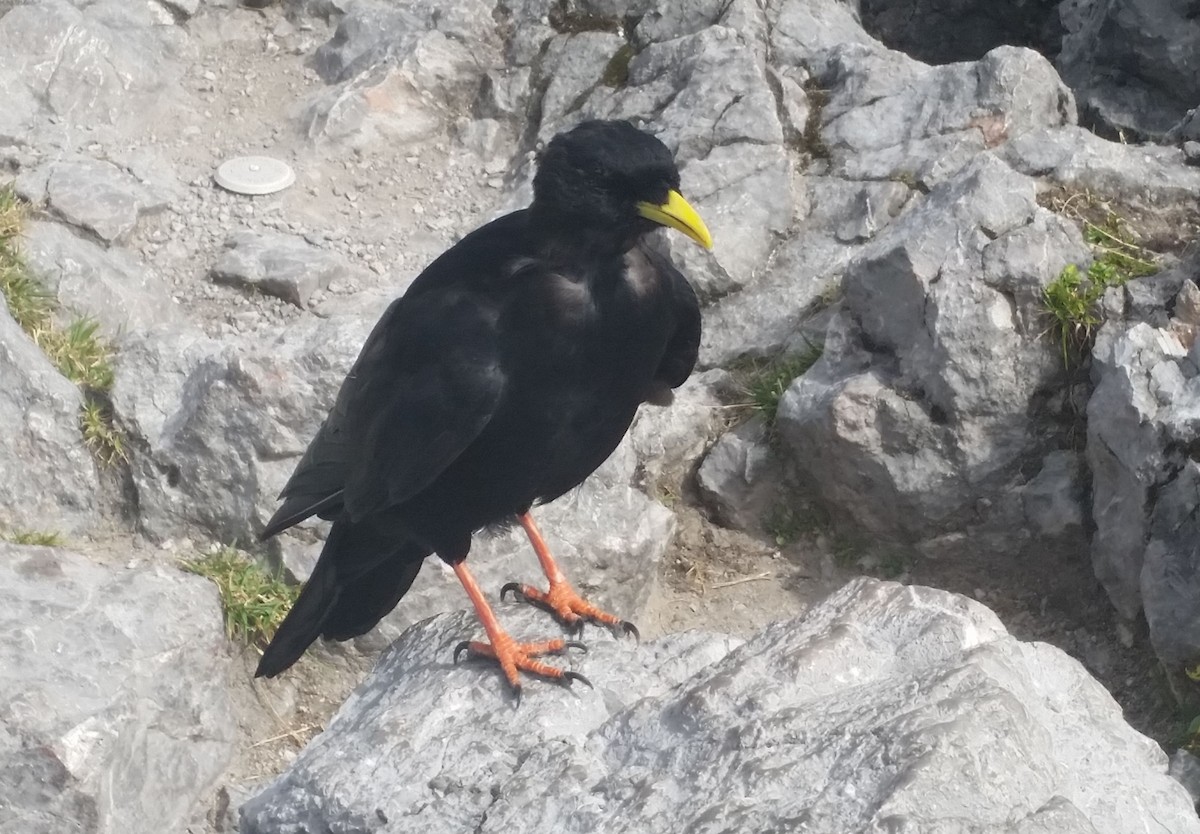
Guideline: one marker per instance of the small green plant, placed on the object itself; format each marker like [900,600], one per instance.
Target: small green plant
[1072,301]
[80,354]
[765,384]
[1120,256]
[41,538]
[104,439]
[1073,298]
[12,213]
[77,350]
[254,601]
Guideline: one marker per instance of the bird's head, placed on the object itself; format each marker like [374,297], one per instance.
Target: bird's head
[606,183]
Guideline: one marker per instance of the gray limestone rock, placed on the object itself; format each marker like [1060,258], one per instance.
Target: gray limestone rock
[575,65]
[216,427]
[114,710]
[1072,156]
[889,115]
[885,707]
[699,92]
[920,405]
[1135,444]
[804,272]
[668,441]
[1054,498]
[1143,422]
[1185,769]
[804,32]
[1171,573]
[100,65]
[744,193]
[740,475]
[110,286]
[57,486]
[1134,64]
[402,74]
[284,266]
[99,197]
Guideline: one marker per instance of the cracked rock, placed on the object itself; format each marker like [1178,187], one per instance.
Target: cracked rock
[284,266]
[850,717]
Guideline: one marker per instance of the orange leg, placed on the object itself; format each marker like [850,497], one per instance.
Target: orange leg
[561,599]
[511,655]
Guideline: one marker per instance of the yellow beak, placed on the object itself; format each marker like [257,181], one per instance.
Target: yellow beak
[677,214]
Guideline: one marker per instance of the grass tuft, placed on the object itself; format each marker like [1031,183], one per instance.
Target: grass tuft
[105,440]
[254,601]
[12,213]
[764,384]
[80,354]
[78,350]
[41,538]
[1072,300]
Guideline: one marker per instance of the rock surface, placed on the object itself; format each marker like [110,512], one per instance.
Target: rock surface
[917,418]
[41,440]
[280,265]
[739,476]
[1135,64]
[1143,423]
[110,286]
[886,707]
[114,710]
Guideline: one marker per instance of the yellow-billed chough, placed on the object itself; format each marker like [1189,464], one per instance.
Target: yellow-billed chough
[509,370]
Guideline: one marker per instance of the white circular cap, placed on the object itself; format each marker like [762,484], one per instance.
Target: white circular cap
[255,175]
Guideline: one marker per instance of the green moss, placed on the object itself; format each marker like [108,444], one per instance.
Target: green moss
[571,22]
[616,74]
[813,144]
[791,518]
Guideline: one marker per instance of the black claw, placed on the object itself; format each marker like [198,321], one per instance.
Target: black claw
[516,691]
[569,677]
[464,646]
[631,631]
[575,629]
[575,644]
[515,587]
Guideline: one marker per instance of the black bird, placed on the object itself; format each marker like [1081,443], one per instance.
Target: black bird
[504,376]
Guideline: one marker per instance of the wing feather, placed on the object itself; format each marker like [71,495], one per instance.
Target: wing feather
[425,384]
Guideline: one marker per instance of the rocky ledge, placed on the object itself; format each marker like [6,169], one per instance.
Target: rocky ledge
[885,708]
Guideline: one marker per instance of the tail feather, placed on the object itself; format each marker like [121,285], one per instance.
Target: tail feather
[372,596]
[358,579]
[304,622]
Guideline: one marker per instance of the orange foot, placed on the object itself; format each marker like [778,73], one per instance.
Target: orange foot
[514,657]
[561,600]
[572,609]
